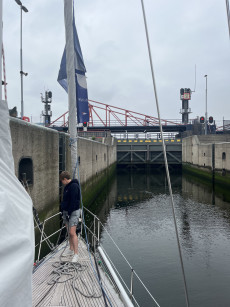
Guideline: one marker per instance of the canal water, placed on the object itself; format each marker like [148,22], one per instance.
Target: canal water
[135,208]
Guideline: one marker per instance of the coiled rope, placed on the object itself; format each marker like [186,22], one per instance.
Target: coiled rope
[73,143]
[65,271]
[164,151]
[86,237]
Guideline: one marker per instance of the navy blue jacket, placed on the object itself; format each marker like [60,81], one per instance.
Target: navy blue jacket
[71,197]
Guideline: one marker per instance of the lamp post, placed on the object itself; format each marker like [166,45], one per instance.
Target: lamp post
[206,104]
[23,8]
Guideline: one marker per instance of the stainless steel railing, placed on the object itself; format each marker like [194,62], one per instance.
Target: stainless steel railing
[46,239]
[94,230]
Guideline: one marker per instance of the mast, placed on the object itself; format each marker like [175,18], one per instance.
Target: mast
[70,69]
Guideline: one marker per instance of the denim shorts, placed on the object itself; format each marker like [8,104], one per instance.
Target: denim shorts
[73,219]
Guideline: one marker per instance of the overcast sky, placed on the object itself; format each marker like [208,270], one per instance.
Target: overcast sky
[112,36]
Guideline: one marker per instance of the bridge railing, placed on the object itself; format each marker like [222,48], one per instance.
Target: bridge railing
[130,122]
[104,115]
[63,122]
[223,125]
[147,136]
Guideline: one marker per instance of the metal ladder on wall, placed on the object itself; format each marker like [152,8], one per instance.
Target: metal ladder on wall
[62,158]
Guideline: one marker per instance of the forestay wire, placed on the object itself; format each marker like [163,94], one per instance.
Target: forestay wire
[164,152]
[228,16]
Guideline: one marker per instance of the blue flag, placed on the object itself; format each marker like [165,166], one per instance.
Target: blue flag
[80,79]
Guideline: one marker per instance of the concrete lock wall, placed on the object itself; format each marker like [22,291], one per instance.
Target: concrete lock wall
[93,156]
[42,146]
[200,151]
[222,154]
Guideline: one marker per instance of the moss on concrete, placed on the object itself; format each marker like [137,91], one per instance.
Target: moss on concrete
[202,175]
[206,174]
[221,183]
[92,188]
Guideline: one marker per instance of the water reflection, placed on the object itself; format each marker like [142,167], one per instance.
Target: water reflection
[137,186]
[106,200]
[205,192]
[136,209]
[185,227]
[209,215]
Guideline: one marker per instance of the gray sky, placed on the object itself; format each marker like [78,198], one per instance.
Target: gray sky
[182,34]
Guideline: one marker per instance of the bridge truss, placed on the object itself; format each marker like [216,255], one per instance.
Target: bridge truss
[102,116]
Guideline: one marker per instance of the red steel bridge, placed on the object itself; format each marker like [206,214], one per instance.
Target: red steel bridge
[106,117]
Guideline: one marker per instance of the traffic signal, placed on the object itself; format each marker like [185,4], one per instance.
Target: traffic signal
[84,124]
[210,120]
[185,94]
[202,119]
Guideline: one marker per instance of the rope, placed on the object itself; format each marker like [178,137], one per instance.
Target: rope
[165,156]
[4,72]
[87,243]
[65,271]
[73,143]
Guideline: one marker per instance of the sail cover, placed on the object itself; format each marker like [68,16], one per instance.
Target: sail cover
[80,78]
[17,230]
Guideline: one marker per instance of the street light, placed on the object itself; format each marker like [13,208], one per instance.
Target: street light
[206,105]
[23,8]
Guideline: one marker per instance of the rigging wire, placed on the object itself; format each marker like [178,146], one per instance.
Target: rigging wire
[228,16]
[36,217]
[4,71]
[164,151]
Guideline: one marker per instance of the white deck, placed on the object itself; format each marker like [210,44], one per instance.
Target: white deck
[63,293]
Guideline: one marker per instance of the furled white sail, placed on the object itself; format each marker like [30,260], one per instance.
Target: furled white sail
[16,223]
[17,230]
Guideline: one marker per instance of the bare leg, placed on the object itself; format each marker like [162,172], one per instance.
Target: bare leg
[70,241]
[73,239]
